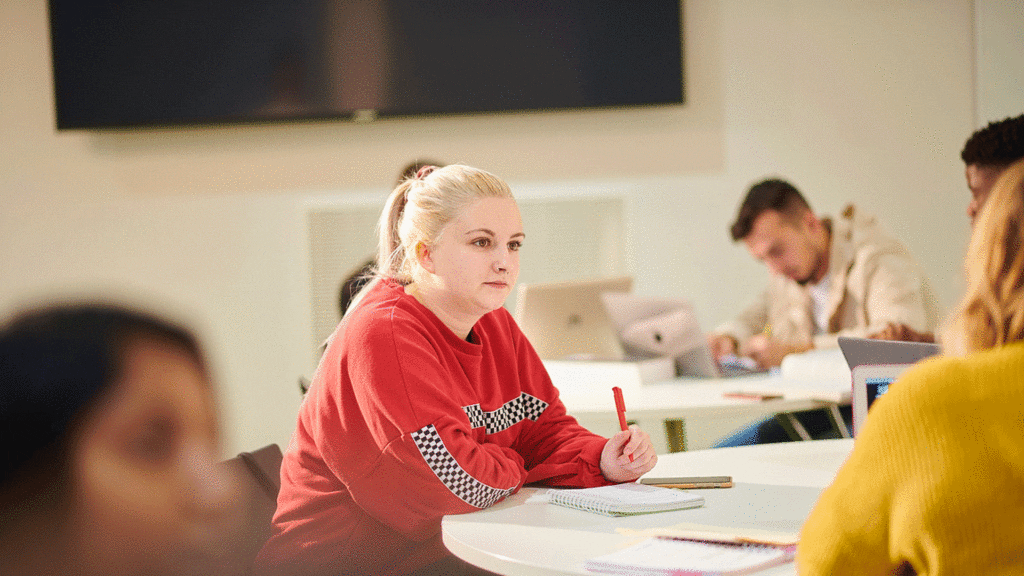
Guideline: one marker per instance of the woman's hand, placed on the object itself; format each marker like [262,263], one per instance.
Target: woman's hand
[615,464]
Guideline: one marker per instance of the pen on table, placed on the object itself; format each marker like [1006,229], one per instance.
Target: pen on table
[620,408]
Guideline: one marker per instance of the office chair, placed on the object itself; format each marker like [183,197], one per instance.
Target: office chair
[259,474]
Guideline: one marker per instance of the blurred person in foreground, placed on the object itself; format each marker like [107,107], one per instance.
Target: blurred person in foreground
[110,441]
[934,483]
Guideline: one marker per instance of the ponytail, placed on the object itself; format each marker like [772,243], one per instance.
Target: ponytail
[390,253]
[394,257]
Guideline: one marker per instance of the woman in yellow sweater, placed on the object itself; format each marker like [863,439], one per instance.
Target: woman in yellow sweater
[935,482]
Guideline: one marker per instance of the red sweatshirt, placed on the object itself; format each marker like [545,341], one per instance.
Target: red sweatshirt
[406,422]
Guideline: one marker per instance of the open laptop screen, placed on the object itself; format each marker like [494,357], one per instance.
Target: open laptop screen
[568,321]
[870,382]
[875,365]
[876,387]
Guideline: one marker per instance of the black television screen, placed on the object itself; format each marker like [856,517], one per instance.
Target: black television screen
[123,63]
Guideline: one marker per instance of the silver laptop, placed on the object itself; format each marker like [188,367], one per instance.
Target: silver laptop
[875,365]
[660,327]
[567,320]
[666,327]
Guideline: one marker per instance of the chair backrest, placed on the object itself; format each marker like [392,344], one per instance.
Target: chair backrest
[265,466]
[258,473]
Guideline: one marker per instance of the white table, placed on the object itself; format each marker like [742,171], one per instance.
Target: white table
[776,487]
[701,403]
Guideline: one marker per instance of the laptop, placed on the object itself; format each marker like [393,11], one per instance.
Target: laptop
[664,327]
[567,320]
[875,365]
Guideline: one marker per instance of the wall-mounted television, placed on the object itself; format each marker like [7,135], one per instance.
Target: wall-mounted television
[133,63]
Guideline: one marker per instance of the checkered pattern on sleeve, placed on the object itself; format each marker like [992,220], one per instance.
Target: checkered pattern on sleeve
[452,475]
[524,407]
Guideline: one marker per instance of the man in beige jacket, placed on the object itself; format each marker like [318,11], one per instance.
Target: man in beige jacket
[829,277]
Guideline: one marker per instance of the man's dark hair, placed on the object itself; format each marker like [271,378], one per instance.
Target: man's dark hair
[999,144]
[771,194]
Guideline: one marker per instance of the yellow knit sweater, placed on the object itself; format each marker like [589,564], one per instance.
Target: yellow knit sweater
[935,479]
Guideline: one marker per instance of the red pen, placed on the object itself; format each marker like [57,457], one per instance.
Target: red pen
[620,408]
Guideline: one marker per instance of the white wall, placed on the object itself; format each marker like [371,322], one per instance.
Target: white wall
[866,101]
[1000,58]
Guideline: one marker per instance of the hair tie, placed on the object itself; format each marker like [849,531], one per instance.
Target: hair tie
[425,171]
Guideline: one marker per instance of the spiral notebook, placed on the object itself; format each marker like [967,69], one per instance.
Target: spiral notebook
[681,557]
[625,499]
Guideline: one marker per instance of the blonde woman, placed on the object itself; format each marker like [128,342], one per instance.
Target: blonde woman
[429,400]
[935,482]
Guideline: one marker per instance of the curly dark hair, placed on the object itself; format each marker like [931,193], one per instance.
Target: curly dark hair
[999,144]
[770,194]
